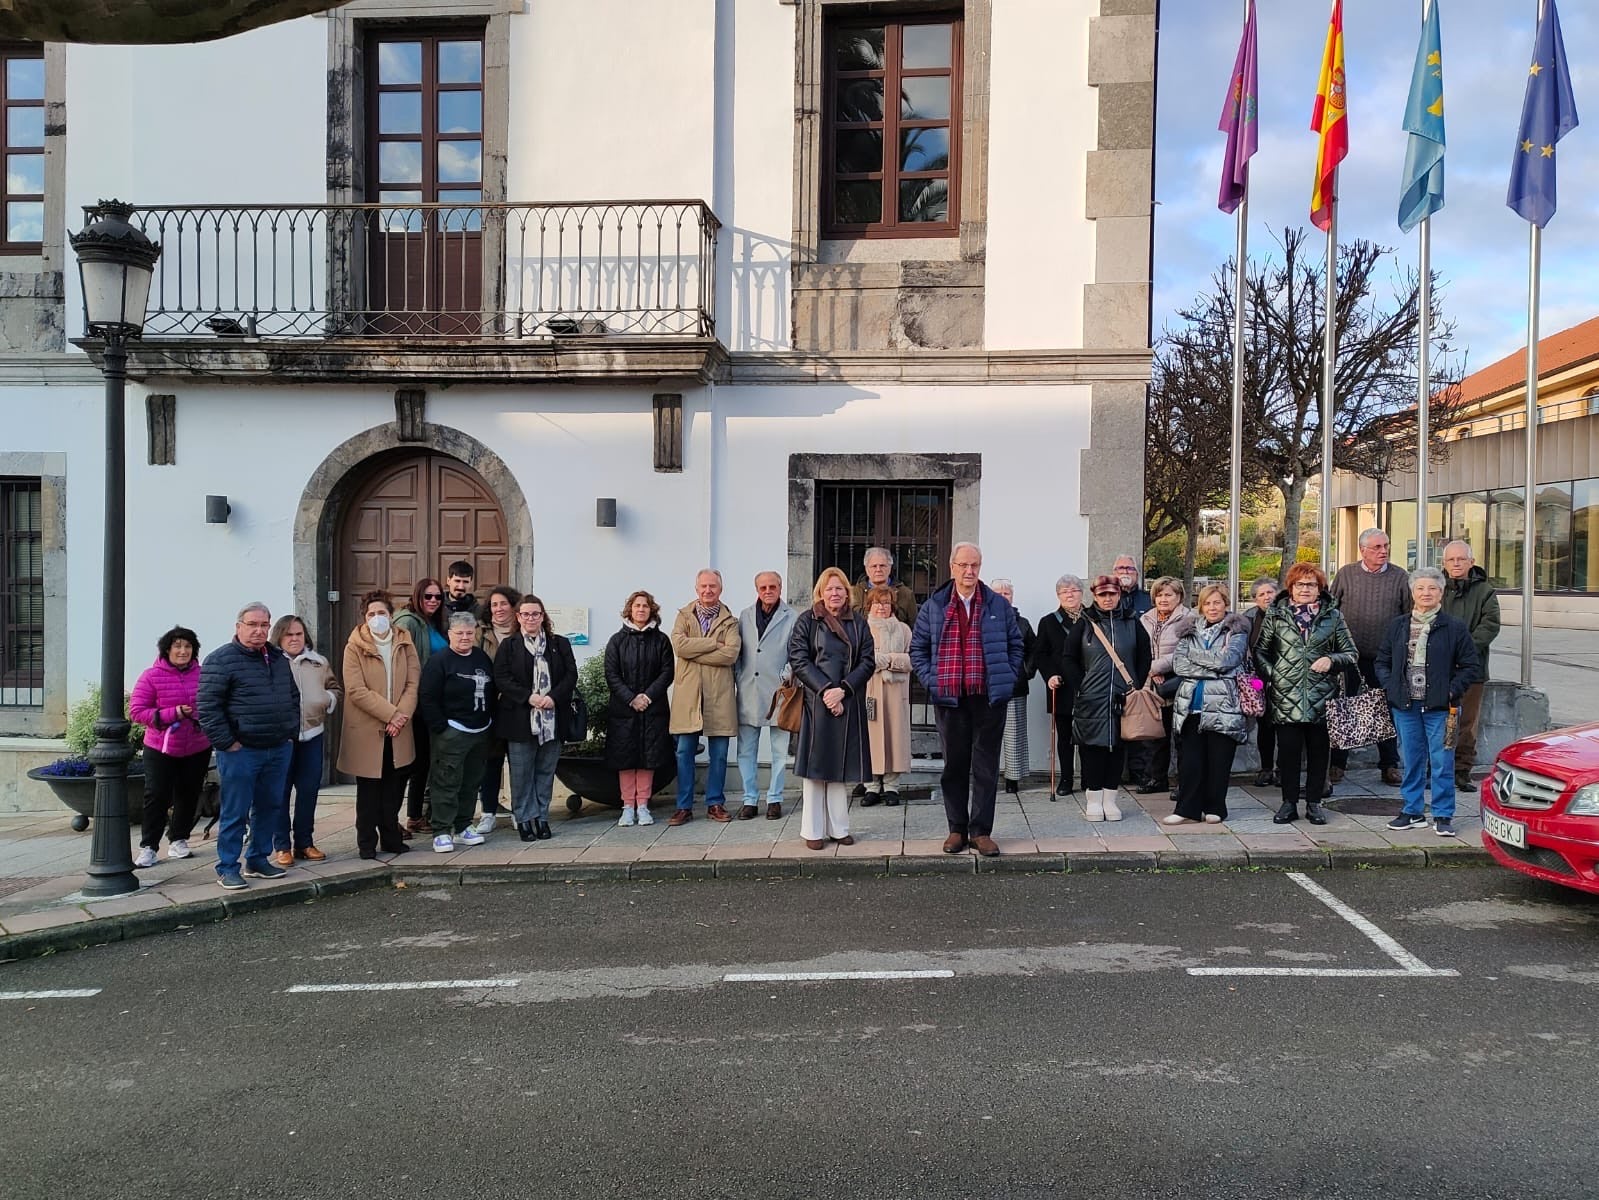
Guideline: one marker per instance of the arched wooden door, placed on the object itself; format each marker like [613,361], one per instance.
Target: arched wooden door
[413,516]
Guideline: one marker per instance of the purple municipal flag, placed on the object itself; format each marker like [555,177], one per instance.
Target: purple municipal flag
[1238,120]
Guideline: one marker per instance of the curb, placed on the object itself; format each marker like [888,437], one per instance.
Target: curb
[103,930]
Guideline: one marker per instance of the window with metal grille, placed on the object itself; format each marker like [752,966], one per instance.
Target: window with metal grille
[21,594]
[910,521]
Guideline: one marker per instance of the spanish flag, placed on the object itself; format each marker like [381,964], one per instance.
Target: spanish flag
[1328,121]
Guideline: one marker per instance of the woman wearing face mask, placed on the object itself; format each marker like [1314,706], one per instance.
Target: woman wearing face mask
[496,623]
[176,753]
[423,623]
[381,677]
[1102,691]
[1050,656]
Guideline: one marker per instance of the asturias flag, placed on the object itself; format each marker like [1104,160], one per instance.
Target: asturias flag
[1548,113]
[1328,121]
[1422,185]
[1238,120]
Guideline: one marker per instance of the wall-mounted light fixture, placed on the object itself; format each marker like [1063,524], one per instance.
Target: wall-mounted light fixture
[605,512]
[217,509]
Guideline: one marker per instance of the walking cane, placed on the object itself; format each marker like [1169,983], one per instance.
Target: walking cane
[1052,698]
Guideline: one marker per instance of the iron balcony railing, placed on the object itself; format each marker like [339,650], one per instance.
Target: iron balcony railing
[635,268]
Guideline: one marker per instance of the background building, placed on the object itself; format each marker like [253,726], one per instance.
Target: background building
[420,298]
[1478,491]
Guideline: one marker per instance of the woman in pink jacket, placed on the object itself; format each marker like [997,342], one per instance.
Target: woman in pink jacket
[176,754]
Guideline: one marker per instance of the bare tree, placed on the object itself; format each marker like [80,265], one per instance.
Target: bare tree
[1374,380]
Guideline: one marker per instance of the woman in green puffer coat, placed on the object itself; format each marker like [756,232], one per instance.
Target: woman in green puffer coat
[1304,645]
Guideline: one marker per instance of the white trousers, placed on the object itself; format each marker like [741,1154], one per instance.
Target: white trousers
[826,810]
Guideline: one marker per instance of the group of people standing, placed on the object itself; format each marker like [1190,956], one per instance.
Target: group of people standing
[439,697]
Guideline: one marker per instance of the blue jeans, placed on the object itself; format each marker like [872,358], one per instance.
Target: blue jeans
[252,793]
[688,745]
[304,780]
[749,742]
[1421,747]
[532,778]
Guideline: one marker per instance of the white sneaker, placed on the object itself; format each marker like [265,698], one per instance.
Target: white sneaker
[146,857]
[444,844]
[1112,813]
[179,849]
[629,817]
[1094,807]
[469,837]
[644,817]
[485,823]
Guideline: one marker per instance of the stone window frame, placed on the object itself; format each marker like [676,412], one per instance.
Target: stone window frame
[809,248]
[50,718]
[34,277]
[22,52]
[962,471]
[349,27]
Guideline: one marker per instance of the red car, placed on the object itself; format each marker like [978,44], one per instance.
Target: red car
[1540,807]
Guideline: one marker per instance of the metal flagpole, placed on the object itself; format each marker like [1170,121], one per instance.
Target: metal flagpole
[1329,353]
[1235,481]
[1530,506]
[1423,389]
[1529,509]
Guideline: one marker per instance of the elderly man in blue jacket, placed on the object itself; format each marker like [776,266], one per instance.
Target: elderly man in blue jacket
[249,707]
[967,651]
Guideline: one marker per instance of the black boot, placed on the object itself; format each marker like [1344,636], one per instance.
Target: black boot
[1286,815]
[1064,787]
[544,831]
[1315,813]
[526,831]
[872,796]
[1013,788]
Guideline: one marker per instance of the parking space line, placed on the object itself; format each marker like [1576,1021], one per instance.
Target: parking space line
[1410,967]
[409,985]
[815,976]
[52,994]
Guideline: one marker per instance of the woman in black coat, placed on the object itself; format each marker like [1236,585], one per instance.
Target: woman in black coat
[639,665]
[833,655]
[1101,691]
[536,673]
[1050,658]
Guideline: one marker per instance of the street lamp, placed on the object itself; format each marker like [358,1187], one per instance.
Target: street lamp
[115,265]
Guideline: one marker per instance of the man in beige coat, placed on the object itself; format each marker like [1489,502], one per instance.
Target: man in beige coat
[706,642]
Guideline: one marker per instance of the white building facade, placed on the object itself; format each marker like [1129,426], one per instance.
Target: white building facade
[437,276]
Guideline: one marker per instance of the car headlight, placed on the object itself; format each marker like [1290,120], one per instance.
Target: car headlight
[1585,803]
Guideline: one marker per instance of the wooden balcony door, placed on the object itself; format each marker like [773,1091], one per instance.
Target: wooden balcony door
[425,122]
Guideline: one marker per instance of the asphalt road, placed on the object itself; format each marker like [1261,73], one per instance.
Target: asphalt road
[1070,1052]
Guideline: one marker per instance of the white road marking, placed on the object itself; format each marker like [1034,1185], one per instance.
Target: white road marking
[815,976]
[410,985]
[52,994]
[1410,967]
[1331,972]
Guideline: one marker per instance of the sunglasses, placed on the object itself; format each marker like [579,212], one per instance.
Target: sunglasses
[432,595]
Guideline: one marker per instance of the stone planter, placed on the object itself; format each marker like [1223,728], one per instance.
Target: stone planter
[77,793]
[588,778]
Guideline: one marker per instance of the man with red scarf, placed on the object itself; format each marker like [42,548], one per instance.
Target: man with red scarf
[966,649]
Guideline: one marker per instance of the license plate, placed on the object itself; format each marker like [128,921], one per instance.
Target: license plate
[1511,833]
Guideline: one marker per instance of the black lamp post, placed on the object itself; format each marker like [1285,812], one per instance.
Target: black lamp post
[115,264]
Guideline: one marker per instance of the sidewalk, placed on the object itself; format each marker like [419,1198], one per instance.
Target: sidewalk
[42,862]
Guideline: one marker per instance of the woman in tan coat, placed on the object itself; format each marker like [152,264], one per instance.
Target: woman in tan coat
[888,698]
[381,677]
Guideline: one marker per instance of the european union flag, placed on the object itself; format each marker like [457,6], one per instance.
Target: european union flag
[1548,113]
[1422,184]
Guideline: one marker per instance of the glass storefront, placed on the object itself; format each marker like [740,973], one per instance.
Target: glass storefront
[1494,523]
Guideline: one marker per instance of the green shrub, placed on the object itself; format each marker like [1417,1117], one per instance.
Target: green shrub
[80,724]
[596,695]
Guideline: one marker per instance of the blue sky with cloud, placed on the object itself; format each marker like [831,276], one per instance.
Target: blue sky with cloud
[1479,246]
